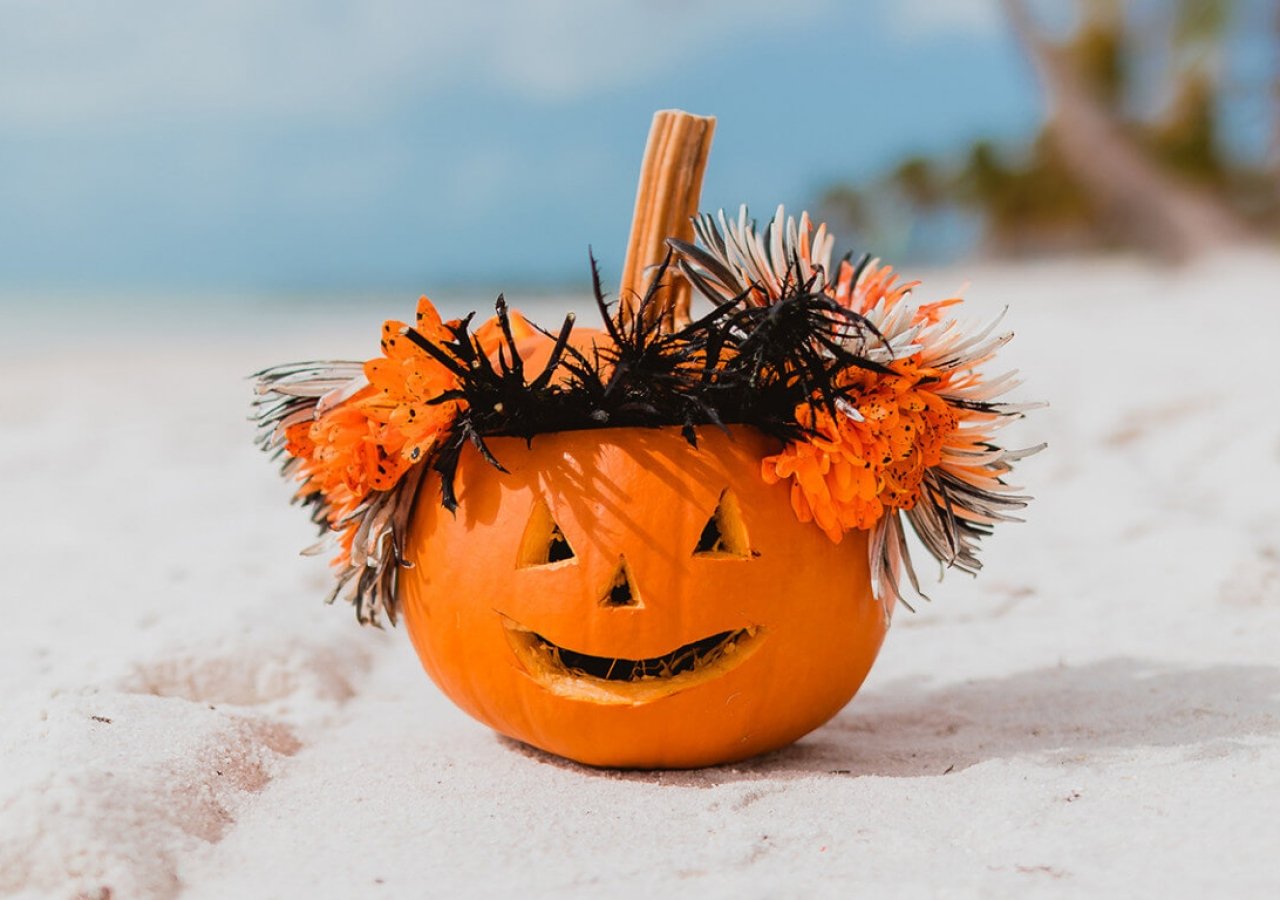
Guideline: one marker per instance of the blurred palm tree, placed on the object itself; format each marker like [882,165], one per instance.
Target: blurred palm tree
[1098,174]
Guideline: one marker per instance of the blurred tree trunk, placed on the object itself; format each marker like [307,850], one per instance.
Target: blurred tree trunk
[1158,212]
[1275,90]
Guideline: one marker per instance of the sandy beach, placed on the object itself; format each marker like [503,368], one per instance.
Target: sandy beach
[1097,715]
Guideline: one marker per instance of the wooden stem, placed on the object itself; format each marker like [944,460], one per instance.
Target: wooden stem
[666,202]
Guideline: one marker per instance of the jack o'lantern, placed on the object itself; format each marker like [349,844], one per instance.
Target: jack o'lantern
[641,603]
[675,541]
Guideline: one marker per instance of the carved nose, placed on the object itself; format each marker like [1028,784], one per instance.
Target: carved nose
[621,590]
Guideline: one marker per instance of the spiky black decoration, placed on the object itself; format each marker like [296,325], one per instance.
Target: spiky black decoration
[740,364]
[789,347]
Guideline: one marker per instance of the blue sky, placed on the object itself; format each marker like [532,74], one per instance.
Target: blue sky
[233,144]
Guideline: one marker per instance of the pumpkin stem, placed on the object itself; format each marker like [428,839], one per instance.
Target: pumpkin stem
[666,203]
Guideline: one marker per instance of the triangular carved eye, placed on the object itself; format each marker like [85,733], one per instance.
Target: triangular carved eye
[543,542]
[725,535]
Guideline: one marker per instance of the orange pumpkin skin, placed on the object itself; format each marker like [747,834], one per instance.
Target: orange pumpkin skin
[638,498]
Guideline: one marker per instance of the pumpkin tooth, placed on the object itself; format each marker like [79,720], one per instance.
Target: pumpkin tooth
[687,658]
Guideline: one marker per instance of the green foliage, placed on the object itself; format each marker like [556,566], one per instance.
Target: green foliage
[1035,195]
[1028,199]
[1098,54]
[1200,22]
[1186,141]
[850,204]
[918,180]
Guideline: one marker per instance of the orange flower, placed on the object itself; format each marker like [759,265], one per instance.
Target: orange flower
[851,469]
[369,440]
[364,442]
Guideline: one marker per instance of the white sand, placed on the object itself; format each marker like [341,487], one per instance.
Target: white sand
[1099,712]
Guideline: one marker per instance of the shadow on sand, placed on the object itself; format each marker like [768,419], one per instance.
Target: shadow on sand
[1064,714]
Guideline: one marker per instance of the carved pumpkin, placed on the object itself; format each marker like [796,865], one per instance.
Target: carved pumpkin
[591,583]
[629,600]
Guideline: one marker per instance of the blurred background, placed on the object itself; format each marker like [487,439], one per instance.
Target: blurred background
[192,190]
[245,149]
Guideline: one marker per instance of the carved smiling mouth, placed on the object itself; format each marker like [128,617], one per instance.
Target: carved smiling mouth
[621,680]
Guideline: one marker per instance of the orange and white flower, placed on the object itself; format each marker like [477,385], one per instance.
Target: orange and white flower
[917,445]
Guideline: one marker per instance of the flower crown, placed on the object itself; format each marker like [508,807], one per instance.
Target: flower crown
[879,405]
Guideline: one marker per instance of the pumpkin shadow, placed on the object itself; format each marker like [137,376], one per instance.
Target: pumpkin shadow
[1060,715]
